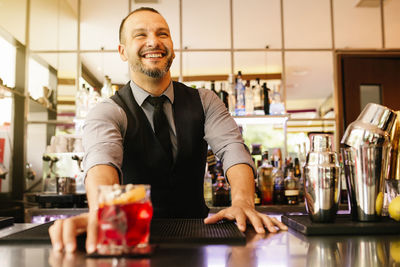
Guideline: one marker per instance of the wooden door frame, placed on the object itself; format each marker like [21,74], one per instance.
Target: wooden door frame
[339,55]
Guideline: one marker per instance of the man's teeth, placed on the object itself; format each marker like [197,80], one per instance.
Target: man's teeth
[152,55]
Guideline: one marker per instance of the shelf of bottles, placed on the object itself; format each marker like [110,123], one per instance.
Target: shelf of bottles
[277,181]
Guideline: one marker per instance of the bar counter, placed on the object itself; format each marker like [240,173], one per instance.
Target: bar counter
[285,248]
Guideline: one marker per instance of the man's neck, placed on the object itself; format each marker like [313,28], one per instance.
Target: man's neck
[151,85]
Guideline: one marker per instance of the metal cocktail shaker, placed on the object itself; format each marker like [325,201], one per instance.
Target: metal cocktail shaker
[365,147]
[322,180]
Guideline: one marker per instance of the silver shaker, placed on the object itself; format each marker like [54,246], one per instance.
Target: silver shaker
[365,146]
[322,180]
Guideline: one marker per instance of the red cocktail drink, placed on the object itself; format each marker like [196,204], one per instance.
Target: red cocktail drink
[124,218]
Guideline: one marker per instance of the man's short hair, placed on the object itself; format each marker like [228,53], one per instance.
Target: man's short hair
[121,27]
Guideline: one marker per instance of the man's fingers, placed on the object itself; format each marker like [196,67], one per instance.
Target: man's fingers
[91,239]
[219,216]
[55,232]
[241,220]
[70,228]
[268,223]
[256,221]
[278,223]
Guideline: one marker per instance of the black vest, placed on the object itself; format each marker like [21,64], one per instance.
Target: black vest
[176,192]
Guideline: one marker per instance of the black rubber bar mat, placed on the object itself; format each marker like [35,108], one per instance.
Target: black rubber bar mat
[6,221]
[176,231]
[194,231]
[343,225]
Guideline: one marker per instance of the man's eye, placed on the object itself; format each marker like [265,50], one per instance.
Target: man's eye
[164,34]
[140,35]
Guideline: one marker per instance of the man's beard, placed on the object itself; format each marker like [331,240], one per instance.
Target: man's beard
[156,73]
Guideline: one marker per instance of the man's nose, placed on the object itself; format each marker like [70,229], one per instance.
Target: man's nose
[152,40]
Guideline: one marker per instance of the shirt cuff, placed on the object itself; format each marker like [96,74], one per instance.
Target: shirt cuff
[95,157]
[237,153]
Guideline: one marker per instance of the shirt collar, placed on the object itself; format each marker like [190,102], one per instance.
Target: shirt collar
[140,94]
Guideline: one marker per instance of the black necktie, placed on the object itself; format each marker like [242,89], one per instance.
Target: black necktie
[161,125]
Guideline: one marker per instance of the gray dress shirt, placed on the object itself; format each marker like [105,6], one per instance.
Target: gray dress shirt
[105,128]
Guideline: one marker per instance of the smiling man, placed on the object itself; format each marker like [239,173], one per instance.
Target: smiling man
[155,131]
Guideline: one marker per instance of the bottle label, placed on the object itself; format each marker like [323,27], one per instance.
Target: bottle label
[291,192]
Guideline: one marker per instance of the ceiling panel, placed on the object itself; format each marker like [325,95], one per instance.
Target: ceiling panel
[53,25]
[13,18]
[356,27]
[307,24]
[206,24]
[100,20]
[257,24]
[309,75]
[392,23]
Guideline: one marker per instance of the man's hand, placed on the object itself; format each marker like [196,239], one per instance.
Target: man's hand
[241,179]
[243,213]
[63,232]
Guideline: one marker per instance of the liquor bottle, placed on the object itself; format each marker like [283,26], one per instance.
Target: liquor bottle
[265,180]
[249,99]
[221,193]
[231,95]
[257,193]
[279,184]
[208,188]
[299,176]
[213,87]
[81,102]
[288,166]
[106,91]
[211,163]
[256,152]
[276,107]
[343,187]
[223,95]
[266,91]
[258,98]
[240,96]
[291,188]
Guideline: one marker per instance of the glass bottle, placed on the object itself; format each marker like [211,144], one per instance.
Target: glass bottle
[265,180]
[266,91]
[299,176]
[223,95]
[249,99]
[258,99]
[276,107]
[208,188]
[211,164]
[291,188]
[279,184]
[221,193]
[231,95]
[240,96]
[213,87]
[257,193]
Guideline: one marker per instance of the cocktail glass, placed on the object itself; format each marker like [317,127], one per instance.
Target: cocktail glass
[124,217]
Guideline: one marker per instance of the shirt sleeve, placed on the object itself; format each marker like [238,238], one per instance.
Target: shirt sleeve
[222,133]
[103,133]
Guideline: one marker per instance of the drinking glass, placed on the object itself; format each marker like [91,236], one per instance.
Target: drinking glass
[124,217]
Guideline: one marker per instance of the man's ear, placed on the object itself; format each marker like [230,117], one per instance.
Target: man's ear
[122,52]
